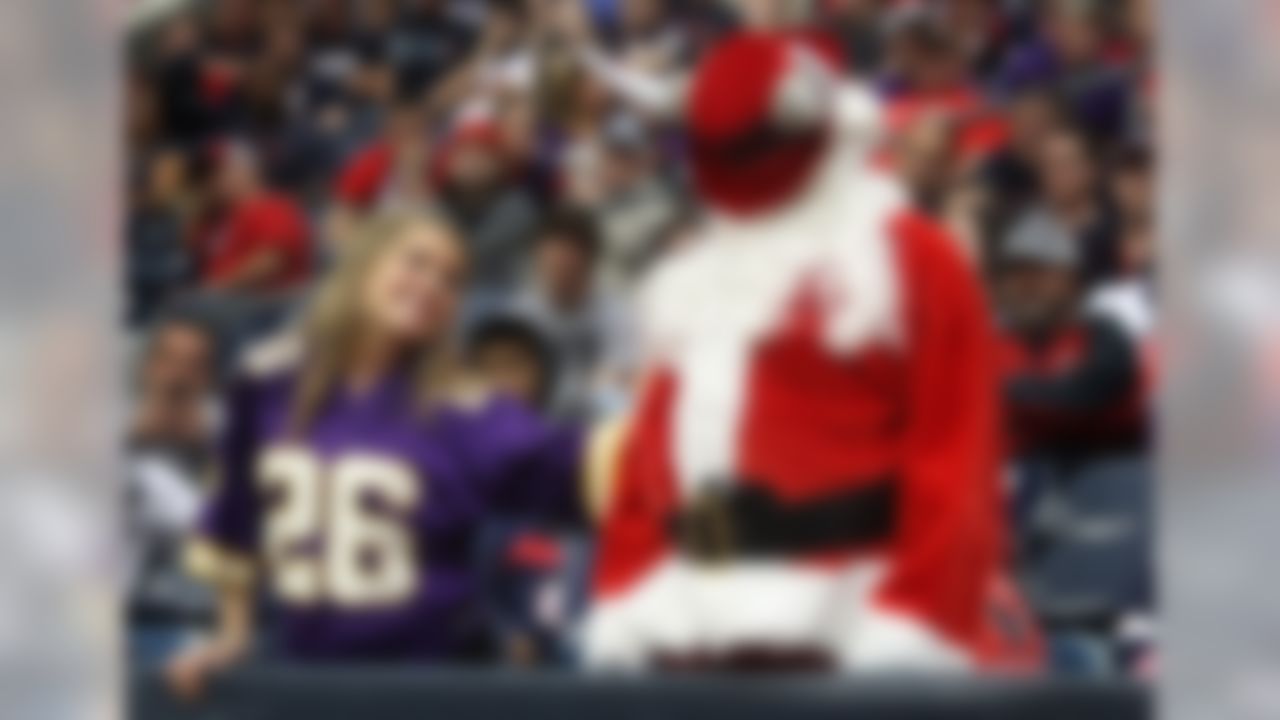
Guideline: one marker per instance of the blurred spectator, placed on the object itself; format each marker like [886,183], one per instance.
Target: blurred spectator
[1132,184]
[494,213]
[392,171]
[576,104]
[159,266]
[926,158]
[923,59]
[517,120]
[500,61]
[144,122]
[510,356]
[233,27]
[427,42]
[256,241]
[647,38]
[1069,55]
[1034,115]
[927,80]
[586,324]
[981,32]
[195,90]
[855,24]
[1129,298]
[372,26]
[1072,195]
[928,155]
[1073,383]
[169,451]
[635,201]
[174,388]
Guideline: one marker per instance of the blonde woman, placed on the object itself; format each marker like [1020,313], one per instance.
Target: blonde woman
[354,481]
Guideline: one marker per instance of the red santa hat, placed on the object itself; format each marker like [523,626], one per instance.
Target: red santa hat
[761,111]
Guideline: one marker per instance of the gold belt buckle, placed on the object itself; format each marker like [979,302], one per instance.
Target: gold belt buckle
[712,527]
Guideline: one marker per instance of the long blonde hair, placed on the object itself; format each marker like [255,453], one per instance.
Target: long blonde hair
[330,329]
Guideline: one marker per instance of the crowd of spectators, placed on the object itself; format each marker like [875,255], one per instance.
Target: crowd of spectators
[260,131]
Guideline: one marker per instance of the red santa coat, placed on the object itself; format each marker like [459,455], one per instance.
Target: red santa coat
[840,340]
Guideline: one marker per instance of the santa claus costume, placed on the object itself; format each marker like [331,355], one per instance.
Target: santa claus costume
[812,465]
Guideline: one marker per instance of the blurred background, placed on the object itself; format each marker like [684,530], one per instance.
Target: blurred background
[69,185]
[259,132]
[65,199]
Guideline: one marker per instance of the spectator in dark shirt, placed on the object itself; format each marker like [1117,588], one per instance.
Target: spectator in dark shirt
[159,266]
[1072,383]
[428,42]
[195,89]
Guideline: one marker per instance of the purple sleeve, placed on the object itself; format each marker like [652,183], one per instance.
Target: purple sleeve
[229,519]
[535,466]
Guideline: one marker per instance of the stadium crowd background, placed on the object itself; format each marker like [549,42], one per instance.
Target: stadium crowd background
[260,131]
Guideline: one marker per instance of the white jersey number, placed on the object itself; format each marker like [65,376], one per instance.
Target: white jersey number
[323,543]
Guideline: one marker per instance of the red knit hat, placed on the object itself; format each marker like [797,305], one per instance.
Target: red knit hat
[759,117]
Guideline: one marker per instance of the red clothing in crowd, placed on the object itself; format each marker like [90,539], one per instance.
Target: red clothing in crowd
[363,179]
[263,222]
[1085,388]
[980,131]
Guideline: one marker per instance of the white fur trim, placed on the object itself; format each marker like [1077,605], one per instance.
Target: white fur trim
[887,641]
[706,310]
[859,115]
[682,607]
[802,98]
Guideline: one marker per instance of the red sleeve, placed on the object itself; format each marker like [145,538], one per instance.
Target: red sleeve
[633,535]
[950,536]
[359,182]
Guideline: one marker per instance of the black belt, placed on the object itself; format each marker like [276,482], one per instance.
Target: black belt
[744,519]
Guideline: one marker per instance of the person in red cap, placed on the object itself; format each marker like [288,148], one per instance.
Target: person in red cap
[809,478]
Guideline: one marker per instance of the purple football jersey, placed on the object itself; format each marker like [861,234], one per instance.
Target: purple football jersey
[362,528]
